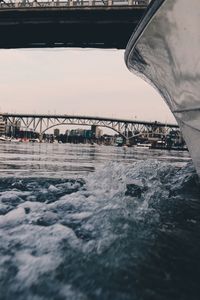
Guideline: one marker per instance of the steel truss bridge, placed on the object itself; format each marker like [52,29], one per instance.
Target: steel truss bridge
[126,128]
[69,23]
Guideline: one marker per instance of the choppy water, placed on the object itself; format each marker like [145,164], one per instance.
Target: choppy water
[82,222]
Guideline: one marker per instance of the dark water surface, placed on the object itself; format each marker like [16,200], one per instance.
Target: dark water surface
[84,222]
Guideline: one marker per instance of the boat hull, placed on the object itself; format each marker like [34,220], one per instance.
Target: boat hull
[165,51]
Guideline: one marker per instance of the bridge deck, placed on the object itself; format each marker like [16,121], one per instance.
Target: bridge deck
[75,25]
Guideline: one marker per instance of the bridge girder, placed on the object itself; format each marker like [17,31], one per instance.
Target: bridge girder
[70,23]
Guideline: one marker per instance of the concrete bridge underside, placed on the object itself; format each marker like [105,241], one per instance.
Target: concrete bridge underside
[93,27]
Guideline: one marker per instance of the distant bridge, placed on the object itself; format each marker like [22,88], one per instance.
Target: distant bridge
[126,128]
[69,23]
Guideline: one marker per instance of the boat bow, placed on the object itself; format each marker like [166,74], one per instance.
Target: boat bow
[165,51]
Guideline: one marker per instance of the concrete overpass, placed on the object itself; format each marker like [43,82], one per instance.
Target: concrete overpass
[71,23]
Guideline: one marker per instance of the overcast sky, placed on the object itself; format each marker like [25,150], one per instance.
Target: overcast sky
[73,81]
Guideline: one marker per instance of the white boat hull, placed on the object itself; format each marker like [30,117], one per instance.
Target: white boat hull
[143,146]
[165,51]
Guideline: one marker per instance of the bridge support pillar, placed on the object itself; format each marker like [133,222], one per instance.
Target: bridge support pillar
[35,4]
[16,3]
[110,2]
[91,2]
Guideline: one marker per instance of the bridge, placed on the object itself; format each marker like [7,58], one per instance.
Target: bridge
[69,23]
[128,129]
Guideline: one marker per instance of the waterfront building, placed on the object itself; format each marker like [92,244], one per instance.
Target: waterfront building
[2,126]
[96,131]
[56,132]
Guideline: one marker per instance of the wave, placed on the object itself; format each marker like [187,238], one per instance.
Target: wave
[122,232]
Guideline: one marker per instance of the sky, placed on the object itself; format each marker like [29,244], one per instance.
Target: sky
[76,81]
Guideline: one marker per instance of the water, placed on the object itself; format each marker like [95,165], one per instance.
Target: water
[84,222]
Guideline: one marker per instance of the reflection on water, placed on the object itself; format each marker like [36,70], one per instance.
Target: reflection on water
[84,222]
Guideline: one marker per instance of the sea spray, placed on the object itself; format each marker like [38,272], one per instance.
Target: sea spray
[121,232]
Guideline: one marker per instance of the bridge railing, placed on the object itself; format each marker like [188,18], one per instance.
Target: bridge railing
[6,4]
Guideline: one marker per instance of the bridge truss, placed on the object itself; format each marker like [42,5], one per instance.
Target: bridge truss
[128,129]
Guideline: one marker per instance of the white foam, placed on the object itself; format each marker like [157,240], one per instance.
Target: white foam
[70,293]
[53,188]
[12,195]
[13,218]
[30,267]
[37,234]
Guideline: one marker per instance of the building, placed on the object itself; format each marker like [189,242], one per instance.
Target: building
[2,126]
[96,131]
[13,129]
[56,132]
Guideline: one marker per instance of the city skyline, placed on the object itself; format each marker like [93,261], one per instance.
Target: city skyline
[75,81]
